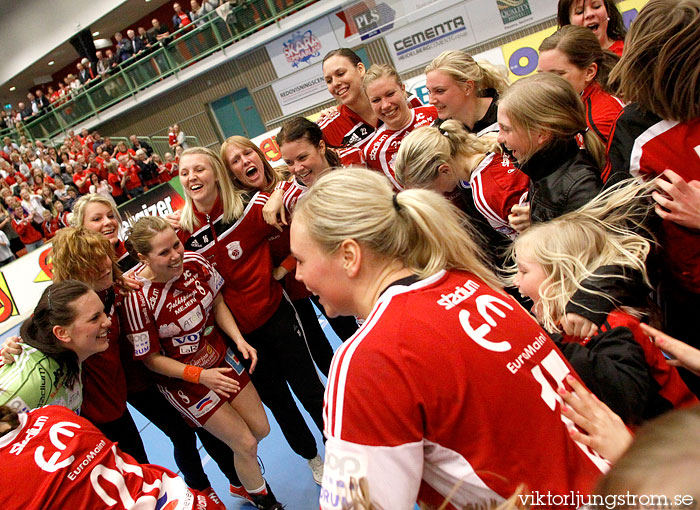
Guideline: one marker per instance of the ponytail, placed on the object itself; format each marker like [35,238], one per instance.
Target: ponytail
[425,149]
[418,227]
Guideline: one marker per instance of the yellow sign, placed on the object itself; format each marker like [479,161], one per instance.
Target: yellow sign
[8,308]
[521,56]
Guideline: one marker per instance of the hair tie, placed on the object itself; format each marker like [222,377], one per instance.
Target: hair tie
[443,132]
[395,201]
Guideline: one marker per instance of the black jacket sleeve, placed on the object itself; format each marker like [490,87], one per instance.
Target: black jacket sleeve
[622,284]
[613,366]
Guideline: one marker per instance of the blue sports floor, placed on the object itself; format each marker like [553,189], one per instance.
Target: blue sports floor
[286,472]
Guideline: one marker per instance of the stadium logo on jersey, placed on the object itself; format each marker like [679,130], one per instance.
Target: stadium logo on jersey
[205,405]
[168,330]
[234,250]
[461,293]
[141,342]
[31,434]
[302,47]
[187,339]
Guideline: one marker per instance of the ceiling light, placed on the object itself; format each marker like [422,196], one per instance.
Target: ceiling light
[52,63]
[12,89]
[95,34]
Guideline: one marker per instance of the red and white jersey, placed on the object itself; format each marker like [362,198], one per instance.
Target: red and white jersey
[174,318]
[602,110]
[380,150]
[644,144]
[391,414]
[496,187]
[57,460]
[345,128]
[240,252]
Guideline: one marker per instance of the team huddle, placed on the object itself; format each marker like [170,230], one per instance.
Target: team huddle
[493,263]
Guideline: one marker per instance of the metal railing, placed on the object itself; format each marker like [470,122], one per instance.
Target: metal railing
[187,45]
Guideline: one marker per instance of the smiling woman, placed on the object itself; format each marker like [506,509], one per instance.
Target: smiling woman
[602,17]
[68,326]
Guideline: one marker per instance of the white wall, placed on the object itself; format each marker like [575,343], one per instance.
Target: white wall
[32,28]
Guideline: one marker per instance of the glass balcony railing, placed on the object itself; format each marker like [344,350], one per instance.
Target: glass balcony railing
[189,44]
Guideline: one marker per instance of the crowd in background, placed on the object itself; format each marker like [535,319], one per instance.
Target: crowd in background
[40,184]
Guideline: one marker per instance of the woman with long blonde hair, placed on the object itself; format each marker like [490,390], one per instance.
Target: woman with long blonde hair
[465,90]
[405,265]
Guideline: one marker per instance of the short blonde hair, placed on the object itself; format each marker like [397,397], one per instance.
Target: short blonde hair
[231,198]
[547,102]
[418,227]
[78,217]
[425,149]
[78,254]
[461,67]
[378,71]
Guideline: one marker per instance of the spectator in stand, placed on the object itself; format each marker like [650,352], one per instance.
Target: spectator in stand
[61,213]
[6,225]
[180,138]
[132,184]
[50,225]
[172,138]
[22,223]
[80,178]
[180,18]
[163,170]
[99,186]
[6,254]
[32,203]
[107,146]
[135,42]
[8,145]
[42,101]
[97,143]
[137,144]
[116,183]
[47,198]
[66,176]
[83,73]
[148,171]
[25,112]
[75,84]
[123,150]
[71,198]
[94,166]
[31,101]
[124,49]
[161,32]
[61,192]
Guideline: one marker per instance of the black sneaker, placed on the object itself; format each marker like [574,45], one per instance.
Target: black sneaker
[266,501]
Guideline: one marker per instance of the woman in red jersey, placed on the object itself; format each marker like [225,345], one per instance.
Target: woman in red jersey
[354,121]
[226,226]
[601,17]
[387,95]
[574,54]
[404,263]
[178,323]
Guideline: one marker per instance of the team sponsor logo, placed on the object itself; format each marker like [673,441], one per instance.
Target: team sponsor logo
[461,293]
[204,405]
[54,463]
[235,363]
[208,330]
[440,31]
[191,319]
[33,431]
[301,48]
[339,466]
[367,19]
[234,250]
[168,330]
[207,299]
[141,342]
[513,10]
[195,244]
[188,349]
[187,339]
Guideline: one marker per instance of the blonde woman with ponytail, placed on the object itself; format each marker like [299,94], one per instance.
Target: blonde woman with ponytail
[543,126]
[448,160]
[438,360]
[464,90]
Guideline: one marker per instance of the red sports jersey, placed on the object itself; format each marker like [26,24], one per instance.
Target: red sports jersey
[82,174]
[175,319]
[57,460]
[380,150]
[133,180]
[643,144]
[345,128]
[496,187]
[449,381]
[602,110]
[114,181]
[104,381]
[239,250]
[671,386]
[617,47]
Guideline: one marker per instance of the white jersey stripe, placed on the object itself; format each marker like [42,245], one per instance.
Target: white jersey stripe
[636,155]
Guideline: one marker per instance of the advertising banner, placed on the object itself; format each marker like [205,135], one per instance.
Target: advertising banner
[302,48]
[301,90]
[419,42]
